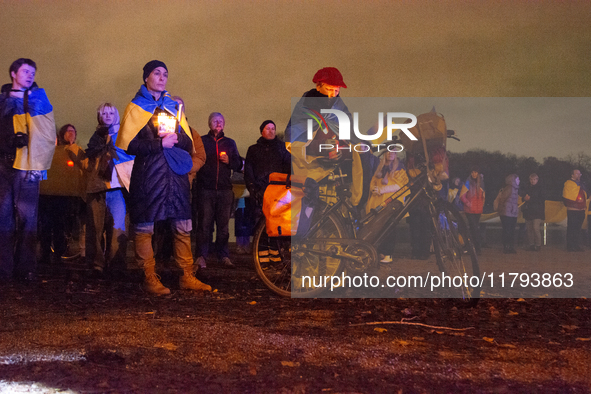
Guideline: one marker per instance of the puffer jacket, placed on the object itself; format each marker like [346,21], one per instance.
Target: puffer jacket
[472,195]
[156,191]
[508,197]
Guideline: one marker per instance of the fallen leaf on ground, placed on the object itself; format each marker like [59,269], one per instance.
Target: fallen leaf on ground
[252,303]
[290,364]
[215,291]
[520,300]
[488,339]
[378,329]
[167,346]
[567,327]
[508,345]
[511,313]
[584,339]
[401,342]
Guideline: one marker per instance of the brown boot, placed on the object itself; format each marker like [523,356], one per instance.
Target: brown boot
[184,258]
[144,255]
[152,283]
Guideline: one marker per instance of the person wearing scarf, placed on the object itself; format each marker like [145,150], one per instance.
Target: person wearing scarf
[27,144]
[106,194]
[472,196]
[574,197]
[156,132]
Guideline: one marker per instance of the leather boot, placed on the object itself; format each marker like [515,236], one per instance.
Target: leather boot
[184,258]
[144,255]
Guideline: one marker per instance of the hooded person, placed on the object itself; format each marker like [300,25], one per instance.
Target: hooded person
[154,129]
[507,206]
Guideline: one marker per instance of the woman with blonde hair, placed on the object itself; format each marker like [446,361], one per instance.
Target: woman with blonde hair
[389,177]
[106,194]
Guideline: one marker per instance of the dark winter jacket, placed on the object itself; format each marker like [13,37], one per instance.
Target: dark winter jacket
[156,191]
[535,207]
[262,159]
[215,175]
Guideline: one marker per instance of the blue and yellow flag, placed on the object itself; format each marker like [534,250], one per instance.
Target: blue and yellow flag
[572,190]
[38,154]
[140,110]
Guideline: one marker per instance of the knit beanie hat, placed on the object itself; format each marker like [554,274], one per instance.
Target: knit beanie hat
[151,66]
[265,123]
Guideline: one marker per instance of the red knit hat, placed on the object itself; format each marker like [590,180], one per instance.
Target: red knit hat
[329,75]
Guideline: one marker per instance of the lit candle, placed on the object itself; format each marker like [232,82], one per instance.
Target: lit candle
[166,123]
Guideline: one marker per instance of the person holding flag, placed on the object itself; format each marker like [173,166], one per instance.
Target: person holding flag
[574,197]
[27,144]
[154,129]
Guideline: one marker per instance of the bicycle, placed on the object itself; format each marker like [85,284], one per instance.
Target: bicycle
[340,241]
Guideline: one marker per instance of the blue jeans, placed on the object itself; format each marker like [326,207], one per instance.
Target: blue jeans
[106,213]
[216,205]
[19,200]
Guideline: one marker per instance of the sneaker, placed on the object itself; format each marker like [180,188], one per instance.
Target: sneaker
[386,259]
[226,262]
[241,250]
[200,262]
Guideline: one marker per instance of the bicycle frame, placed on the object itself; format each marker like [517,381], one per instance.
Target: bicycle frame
[376,213]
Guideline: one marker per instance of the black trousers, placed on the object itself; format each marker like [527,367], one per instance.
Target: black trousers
[574,233]
[474,225]
[508,232]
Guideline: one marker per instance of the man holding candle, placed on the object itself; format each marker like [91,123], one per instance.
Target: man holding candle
[155,130]
[214,190]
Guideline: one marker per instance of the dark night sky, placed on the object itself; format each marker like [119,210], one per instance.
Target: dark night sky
[247,59]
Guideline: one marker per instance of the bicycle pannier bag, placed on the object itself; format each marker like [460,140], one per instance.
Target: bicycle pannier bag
[283,204]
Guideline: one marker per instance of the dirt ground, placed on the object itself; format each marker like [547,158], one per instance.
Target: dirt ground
[72,334]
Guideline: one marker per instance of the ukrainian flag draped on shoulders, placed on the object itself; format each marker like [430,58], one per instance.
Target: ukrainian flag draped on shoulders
[37,121]
[140,110]
[574,195]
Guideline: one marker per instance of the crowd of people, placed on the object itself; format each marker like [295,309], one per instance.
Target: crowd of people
[150,167]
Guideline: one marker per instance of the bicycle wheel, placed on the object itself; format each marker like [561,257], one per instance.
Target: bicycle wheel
[294,270]
[455,253]
[272,260]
